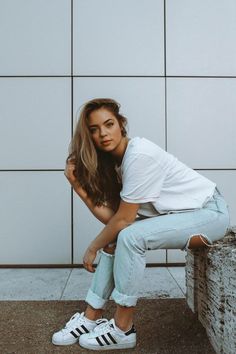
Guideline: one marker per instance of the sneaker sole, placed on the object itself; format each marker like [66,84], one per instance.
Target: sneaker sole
[65,343]
[109,347]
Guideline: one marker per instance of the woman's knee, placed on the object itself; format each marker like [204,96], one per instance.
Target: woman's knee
[126,238]
[123,237]
[197,241]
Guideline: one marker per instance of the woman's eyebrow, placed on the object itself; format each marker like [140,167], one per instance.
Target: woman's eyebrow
[95,125]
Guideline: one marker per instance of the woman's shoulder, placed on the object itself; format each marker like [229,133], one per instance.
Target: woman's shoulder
[142,145]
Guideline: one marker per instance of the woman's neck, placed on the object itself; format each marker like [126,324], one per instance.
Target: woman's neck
[119,153]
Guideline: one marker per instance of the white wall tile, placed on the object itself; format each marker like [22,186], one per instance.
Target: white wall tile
[176,256]
[141,99]
[201,121]
[156,256]
[34,218]
[35,37]
[225,181]
[35,115]
[200,37]
[118,37]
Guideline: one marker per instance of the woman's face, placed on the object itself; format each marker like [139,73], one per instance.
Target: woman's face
[104,129]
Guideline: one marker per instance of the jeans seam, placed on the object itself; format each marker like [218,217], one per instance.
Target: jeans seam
[200,224]
[174,228]
[186,228]
[131,270]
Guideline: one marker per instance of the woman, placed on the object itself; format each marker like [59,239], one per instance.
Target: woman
[148,200]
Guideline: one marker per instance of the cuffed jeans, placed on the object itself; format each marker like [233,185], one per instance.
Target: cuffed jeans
[121,274]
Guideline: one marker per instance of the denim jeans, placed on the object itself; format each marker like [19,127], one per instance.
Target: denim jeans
[121,274]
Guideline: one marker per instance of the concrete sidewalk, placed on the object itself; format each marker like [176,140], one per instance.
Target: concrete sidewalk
[72,284]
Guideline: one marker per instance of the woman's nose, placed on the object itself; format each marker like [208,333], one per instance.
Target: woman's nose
[103,131]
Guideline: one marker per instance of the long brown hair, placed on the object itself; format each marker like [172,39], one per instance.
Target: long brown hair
[95,169]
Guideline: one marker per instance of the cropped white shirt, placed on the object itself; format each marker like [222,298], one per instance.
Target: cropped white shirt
[159,182]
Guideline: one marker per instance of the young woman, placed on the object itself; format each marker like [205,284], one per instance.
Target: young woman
[147,200]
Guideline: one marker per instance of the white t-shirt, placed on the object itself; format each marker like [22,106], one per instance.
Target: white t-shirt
[159,182]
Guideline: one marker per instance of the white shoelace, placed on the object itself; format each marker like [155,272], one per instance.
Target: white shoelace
[103,328]
[100,321]
[78,316]
[74,318]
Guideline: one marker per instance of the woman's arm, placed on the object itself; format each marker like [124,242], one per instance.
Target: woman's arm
[102,213]
[124,217]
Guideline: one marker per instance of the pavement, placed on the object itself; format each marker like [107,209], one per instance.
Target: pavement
[34,303]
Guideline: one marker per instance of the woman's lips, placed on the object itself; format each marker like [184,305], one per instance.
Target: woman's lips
[106,142]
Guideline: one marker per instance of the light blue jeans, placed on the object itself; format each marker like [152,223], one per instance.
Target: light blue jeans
[121,274]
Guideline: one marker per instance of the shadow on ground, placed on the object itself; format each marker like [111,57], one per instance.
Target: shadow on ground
[164,326]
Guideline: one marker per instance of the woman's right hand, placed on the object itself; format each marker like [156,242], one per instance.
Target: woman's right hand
[69,171]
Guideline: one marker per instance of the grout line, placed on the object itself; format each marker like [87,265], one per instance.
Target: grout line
[176,281]
[61,170]
[165,114]
[164,39]
[72,128]
[165,89]
[71,34]
[30,170]
[63,290]
[121,76]
[77,266]
[72,226]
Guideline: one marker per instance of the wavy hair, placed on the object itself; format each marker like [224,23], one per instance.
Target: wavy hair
[95,169]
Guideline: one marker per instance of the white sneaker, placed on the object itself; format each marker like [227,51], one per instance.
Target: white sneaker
[108,336]
[77,325]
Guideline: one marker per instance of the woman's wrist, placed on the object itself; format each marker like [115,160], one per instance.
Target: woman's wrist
[74,183]
[78,189]
[93,248]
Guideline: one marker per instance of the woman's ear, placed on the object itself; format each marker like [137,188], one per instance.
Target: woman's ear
[123,131]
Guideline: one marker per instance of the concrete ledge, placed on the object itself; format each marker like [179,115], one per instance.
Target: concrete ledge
[211,290]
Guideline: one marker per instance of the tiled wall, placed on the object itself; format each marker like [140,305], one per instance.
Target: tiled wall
[172,66]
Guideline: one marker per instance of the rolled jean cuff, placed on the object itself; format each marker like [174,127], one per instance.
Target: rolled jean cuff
[107,254]
[124,300]
[94,300]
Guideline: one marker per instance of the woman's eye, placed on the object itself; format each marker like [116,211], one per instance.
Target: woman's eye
[92,131]
[109,124]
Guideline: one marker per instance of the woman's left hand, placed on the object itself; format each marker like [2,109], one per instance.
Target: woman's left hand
[88,259]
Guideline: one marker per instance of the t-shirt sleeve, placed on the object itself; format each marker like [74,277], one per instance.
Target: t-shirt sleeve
[142,179]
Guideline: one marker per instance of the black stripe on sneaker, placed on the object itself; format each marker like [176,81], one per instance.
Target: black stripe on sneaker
[99,342]
[105,340]
[131,330]
[73,334]
[110,336]
[79,331]
[85,329]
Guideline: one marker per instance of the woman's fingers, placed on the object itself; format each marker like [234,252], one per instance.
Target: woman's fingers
[88,260]
[89,267]
[69,171]
[71,160]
